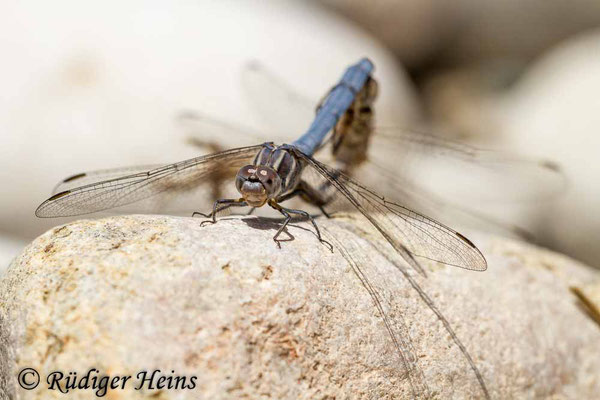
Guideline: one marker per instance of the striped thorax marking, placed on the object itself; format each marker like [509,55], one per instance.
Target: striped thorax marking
[284,163]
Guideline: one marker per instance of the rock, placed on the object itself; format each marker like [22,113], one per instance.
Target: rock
[467,31]
[9,249]
[95,87]
[248,320]
[554,111]
[549,113]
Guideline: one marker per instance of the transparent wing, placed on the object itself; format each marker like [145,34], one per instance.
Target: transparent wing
[85,178]
[451,171]
[417,197]
[376,278]
[410,233]
[397,329]
[213,134]
[166,183]
[283,110]
[397,181]
[457,172]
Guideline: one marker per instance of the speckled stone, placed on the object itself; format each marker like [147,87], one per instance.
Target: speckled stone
[249,320]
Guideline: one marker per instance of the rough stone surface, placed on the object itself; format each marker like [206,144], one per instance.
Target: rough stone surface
[223,303]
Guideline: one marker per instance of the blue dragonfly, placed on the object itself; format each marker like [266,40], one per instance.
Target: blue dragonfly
[270,174]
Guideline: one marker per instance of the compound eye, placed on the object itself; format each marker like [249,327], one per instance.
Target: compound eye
[269,178]
[247,171]
[244,174]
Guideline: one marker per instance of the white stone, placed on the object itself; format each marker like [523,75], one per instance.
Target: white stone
[550,113]
[554,111]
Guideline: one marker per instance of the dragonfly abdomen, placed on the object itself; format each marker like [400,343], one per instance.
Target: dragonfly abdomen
[335,105]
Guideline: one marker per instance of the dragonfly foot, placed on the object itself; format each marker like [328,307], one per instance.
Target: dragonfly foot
[218,206]
[210,219]
[325,242]
[278,242]
[325,213]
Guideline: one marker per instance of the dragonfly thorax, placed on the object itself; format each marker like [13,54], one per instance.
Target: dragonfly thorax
[275,171]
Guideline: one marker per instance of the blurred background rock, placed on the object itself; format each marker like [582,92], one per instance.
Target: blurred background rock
[98,85]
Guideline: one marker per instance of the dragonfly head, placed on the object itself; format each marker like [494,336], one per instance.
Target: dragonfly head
[257,184]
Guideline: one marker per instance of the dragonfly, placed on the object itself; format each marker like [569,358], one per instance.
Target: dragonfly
[269,174]
[273,174]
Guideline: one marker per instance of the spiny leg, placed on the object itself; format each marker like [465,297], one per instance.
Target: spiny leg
[287,214]
[220,205]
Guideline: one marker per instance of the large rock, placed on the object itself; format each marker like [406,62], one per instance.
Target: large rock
[223,303]
[554,111]
[550,113]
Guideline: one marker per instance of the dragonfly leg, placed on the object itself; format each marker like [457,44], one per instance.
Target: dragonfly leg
[288,217]
[220,205]
[309,195]
[325,213]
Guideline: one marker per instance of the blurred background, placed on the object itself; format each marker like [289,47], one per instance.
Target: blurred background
[98,85]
